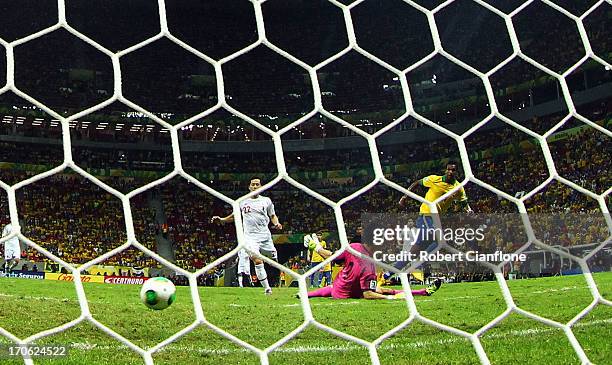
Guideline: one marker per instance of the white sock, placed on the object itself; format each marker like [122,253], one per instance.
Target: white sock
[240,280]
[260,271]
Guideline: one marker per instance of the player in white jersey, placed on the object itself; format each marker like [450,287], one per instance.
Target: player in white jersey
[257,213]
[12,250]
[244,267]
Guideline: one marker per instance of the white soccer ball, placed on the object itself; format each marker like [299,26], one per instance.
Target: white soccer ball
[158,293]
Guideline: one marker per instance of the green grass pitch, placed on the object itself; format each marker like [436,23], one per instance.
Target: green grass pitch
[30,306]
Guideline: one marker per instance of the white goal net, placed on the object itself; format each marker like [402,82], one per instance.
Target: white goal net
[262,40]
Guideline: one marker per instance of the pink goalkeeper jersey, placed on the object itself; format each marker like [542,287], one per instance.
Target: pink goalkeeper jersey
[357,276]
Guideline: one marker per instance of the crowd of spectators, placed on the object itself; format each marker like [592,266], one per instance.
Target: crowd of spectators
[188,212]
[78,221]
[580,158]
[297,263]
[306,164]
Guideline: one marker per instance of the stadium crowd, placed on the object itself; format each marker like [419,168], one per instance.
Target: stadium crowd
[77,221]
[188,210]
[68,214]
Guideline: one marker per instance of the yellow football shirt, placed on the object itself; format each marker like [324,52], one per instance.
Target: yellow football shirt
[315,257]
[438,186]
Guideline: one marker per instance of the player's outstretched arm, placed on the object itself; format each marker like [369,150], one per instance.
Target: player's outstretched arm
[325,253]
[381,290]
[369,294]
[314,244]
[404,198]
[222,220]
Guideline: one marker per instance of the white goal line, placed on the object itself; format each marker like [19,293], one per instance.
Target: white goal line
[349,346]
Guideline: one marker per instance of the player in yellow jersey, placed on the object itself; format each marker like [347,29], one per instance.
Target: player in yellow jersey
[315,259]
[438,186]
[326,270]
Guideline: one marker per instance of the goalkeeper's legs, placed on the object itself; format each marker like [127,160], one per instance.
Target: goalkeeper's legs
[420,292]
[432,288]
[321,292]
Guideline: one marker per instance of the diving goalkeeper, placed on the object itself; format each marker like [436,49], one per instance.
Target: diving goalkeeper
[357,279]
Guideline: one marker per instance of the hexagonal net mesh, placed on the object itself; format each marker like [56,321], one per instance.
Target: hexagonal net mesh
[353,45]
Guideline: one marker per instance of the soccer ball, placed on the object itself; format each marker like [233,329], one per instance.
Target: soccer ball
[158,293]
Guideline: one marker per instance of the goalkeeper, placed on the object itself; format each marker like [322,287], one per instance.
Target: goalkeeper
[357,279]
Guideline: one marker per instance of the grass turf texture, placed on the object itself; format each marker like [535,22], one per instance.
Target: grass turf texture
[30,306]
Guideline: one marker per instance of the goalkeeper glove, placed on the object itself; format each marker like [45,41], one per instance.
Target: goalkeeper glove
[309,242]
[315,238]
[312,242]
